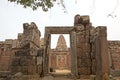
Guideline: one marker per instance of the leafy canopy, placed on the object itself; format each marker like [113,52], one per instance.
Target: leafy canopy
[34,4]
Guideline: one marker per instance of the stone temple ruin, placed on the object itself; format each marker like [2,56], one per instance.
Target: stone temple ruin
[59,58]
[90,52]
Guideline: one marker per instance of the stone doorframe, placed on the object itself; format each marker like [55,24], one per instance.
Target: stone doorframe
[47,42]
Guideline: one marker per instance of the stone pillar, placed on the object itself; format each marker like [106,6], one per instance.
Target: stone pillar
[82,27]
[102,57]
[73,53]
[46,54]
[83,49]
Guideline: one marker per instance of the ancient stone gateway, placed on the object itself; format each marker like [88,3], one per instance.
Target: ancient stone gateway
[89,53]
[47,38]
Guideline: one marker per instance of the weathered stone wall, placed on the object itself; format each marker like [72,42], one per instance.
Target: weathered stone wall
[82,28]
[23,54]
[114,51]
[23,62]
[101,53]
[30,33]
[27,56]
[92,48]
[6,53]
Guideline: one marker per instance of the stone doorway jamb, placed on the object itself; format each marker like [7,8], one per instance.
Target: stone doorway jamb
[47,38]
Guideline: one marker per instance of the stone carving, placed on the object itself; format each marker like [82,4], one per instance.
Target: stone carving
[81,20]
[79,28]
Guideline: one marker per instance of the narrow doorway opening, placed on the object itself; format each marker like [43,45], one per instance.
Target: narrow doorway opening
[59,54]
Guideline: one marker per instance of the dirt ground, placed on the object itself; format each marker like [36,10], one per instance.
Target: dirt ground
[58,76]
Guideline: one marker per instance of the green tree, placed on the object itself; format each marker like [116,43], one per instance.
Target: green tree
[34,4]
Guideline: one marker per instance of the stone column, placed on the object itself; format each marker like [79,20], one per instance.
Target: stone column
[83,49]
[46,54]
[102,57]
[73,53]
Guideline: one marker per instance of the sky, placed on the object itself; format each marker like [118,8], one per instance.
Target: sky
[12,17]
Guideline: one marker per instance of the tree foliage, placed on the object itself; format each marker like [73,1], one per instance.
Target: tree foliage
[34,4]
[47,4]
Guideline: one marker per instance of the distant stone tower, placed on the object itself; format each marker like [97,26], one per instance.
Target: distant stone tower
[61,44]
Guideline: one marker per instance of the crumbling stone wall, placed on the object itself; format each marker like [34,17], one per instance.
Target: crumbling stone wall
[23,54]
[6,54]
[23,62]
[92,48]
[114,51]
[30,33]
[100,51]
[26,56]
[82,28]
